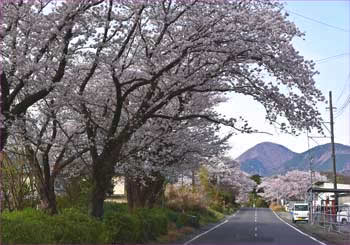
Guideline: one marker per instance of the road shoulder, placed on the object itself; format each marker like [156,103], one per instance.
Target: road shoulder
[316,231]
[204,229]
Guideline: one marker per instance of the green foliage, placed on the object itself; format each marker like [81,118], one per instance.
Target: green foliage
[190,219]
[204,179]
[112,207]
[256,178]
[18,181]
[142,225]
[123,227]
[35,227]
[77,194]
[261,203]
[28,226]
[72,226]
[154,222]
[172,215]
[210,216]
[258,201]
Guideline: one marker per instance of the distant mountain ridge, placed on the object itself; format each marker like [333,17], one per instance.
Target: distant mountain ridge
[268,159]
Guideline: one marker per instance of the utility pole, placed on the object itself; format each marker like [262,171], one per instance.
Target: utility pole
[333,148]
[312,194]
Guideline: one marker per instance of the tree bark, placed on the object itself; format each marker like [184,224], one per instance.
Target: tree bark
[45,182]
[102,172]
[97,201]
[144,196]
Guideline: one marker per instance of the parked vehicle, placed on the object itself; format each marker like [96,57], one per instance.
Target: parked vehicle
[343,214]
[300,212]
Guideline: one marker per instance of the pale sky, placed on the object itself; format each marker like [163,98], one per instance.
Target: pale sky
[326,24]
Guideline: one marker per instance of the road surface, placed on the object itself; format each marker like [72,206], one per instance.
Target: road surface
[253,226]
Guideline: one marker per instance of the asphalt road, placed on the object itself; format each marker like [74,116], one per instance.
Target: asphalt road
[253,226]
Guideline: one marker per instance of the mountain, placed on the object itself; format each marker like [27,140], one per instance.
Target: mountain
[321,159]
[268,159]
[265,158]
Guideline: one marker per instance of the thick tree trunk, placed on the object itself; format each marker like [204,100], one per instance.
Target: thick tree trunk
[48,197]
[97,201]
[103,172]
[45,182]
[144,196]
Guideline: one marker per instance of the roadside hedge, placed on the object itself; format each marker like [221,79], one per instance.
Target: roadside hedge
[32,226]
[73,226]
[143,225]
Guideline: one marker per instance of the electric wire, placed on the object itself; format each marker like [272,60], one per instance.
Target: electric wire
[346,103]
[330,57]
[318,21]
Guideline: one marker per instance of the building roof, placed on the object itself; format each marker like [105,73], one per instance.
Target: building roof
[318,189]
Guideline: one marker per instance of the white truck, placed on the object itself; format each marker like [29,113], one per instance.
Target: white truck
[343,215]
[300,212]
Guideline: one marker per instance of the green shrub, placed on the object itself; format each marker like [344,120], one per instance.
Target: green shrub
[112,207]
[188,220]
[35,227]
[27,226]
[172,215]
[154,222]
[77,194]
[123,227]
[73,226]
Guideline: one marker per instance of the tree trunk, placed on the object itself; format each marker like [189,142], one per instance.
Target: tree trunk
[45,182]
[102,172]
[144,196]
[48,197]
[97,201]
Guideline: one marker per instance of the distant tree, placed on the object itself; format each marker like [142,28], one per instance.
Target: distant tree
[254,198]
[293,185]
[256,178]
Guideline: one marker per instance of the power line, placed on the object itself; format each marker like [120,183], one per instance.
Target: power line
[318,21]
[330,57]
[342,91]
[347,101]
[343,107]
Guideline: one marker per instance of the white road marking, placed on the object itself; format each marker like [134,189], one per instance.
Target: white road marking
[256,235]
[198,236]
[256,228]
[300,230]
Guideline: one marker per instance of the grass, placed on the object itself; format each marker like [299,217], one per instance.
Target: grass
[175,234]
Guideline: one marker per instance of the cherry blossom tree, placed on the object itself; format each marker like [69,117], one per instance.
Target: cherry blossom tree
[51,144]
[177,49]
[119,65]
[229,174]
[35,53]
[293,185]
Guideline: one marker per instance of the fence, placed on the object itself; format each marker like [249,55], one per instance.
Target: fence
[332,218]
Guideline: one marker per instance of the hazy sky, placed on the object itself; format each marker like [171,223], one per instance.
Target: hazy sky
[326,25]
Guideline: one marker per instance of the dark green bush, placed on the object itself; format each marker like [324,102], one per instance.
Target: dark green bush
[35,227]
[123,227]
[143,225]
[112,207]
[188,220]
[27,226]
[73,226]
[172,215]
[154,222]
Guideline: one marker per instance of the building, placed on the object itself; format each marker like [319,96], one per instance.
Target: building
[325,191]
